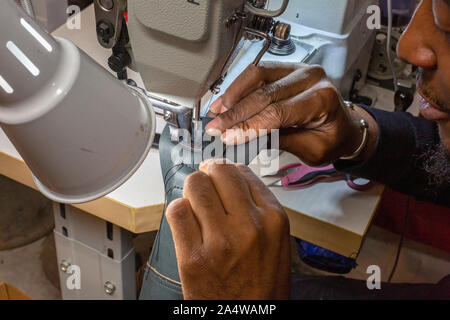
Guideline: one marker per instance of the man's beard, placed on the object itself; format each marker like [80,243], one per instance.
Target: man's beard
[428,92]
[437,165]
[436,160]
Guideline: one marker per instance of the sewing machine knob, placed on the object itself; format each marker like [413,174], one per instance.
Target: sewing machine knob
[282,44]
[282,31]
[119,61]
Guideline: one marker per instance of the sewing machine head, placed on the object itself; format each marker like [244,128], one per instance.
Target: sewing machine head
[183,48]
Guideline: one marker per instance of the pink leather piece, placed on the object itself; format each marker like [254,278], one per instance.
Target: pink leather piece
[327,173]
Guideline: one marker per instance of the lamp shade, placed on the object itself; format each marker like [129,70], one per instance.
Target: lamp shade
[81,131]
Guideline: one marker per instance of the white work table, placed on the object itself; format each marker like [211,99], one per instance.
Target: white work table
[328,214]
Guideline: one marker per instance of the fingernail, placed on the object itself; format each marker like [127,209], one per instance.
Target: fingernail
[213,132]
[203,166]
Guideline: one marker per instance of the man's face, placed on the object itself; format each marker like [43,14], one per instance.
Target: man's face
[426,44]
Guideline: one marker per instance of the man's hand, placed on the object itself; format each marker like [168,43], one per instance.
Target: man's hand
[299,99]
[231,236]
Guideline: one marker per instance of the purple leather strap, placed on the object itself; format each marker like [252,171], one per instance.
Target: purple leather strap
[306,176]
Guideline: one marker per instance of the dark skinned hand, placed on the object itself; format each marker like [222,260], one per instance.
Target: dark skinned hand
[300,100]
[231,236]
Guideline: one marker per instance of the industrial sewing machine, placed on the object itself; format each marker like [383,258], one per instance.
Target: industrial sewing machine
[153,33]
[179,62]
[96,131]
[337,38]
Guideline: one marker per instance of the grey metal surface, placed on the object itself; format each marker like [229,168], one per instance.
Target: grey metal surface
[176,58]
[108,16]
[104,253]
[180,60]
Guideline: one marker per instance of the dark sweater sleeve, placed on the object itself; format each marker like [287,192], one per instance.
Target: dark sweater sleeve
[398,159]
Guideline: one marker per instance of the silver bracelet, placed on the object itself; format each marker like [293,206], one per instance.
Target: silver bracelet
[364,125]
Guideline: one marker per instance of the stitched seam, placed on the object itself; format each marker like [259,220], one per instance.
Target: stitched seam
[177,168]
[165,283]
[163,276]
